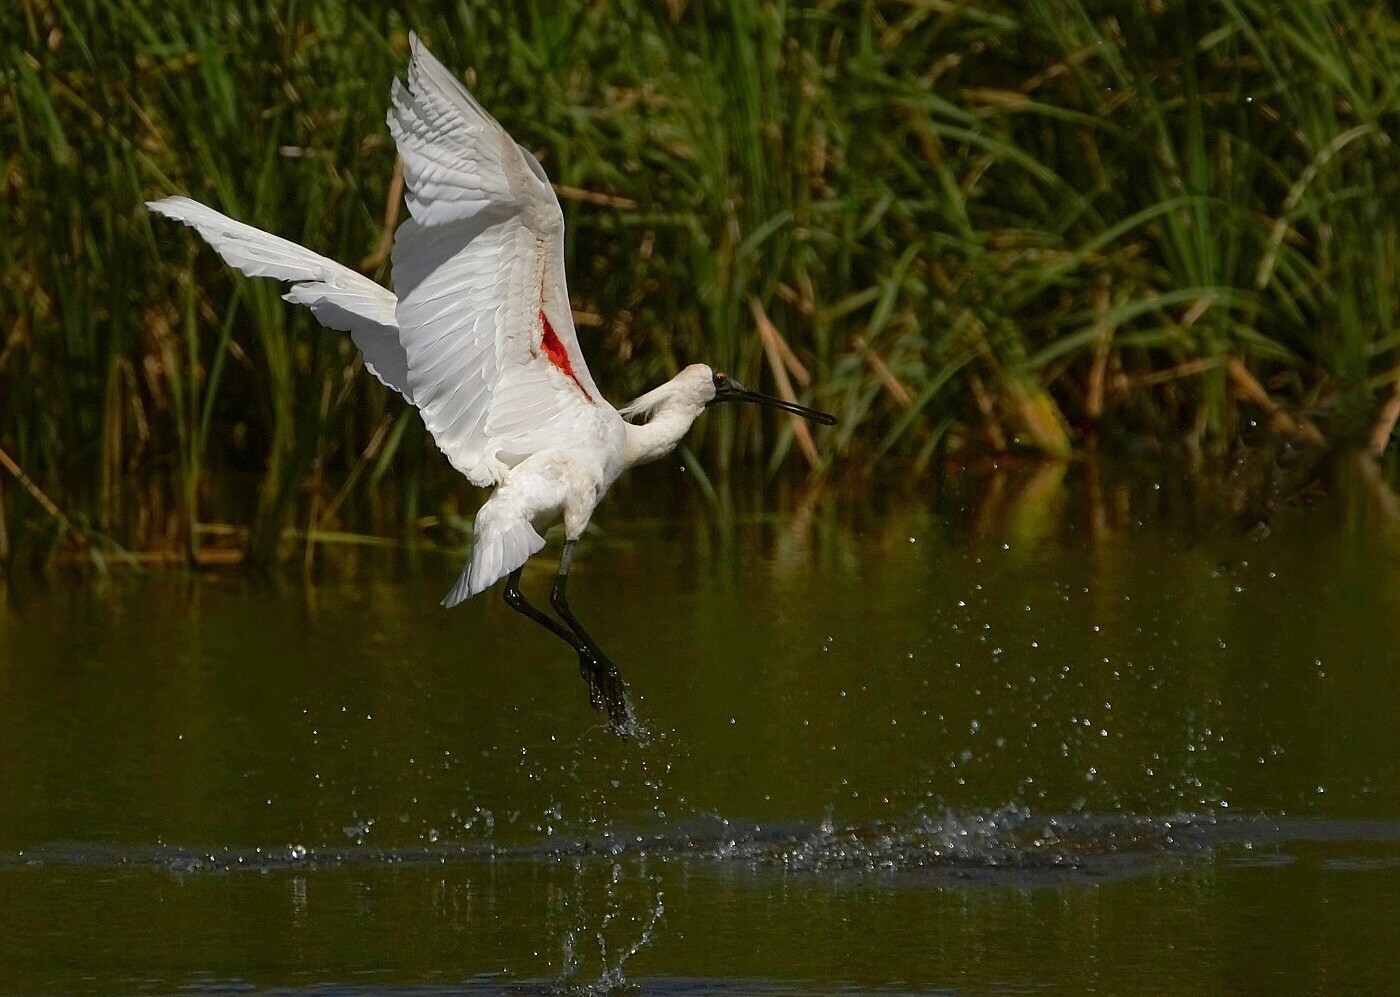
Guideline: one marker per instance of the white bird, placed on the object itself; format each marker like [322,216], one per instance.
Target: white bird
[478,334]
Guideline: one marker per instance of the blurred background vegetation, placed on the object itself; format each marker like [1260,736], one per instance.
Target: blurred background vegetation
[1041,226]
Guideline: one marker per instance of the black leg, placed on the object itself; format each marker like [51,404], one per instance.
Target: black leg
[515,599]
[605,685]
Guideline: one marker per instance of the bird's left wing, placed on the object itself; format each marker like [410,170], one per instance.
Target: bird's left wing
[483,311]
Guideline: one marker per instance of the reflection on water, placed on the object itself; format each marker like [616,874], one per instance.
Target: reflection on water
[1062,728]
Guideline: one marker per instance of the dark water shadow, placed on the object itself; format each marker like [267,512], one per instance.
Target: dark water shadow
[1010,848]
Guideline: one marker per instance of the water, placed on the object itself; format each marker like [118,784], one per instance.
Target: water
[1052,732]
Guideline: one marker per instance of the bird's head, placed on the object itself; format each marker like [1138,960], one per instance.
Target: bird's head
[726,389]
[670,409]
[697,387]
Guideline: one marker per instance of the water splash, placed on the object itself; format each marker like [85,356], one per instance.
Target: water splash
[609,940]
[1011,842]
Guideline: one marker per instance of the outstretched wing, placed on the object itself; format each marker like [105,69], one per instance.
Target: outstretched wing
[339,297]
[483,313]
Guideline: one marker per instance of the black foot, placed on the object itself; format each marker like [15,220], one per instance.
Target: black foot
[607,692]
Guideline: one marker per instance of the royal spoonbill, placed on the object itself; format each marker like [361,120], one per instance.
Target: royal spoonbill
[479,336]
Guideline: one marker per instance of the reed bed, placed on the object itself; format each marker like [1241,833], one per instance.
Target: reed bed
[965,227]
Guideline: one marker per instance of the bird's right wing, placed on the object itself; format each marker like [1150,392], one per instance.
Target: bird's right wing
[339,297]
[483,313]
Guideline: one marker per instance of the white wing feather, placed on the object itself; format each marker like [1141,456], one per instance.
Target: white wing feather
[338,297]
[478,271]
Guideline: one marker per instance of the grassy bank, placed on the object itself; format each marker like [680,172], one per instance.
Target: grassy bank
[960,226]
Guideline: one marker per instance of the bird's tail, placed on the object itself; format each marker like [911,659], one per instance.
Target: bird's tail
[499,546]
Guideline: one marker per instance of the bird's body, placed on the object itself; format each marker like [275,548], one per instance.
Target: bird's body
[478,334]
[560,484]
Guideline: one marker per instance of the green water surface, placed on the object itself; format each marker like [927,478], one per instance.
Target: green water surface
[1041,734]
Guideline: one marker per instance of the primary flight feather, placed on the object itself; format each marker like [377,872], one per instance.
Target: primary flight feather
[478,334]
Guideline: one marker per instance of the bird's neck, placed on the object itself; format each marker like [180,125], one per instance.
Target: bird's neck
[659,435]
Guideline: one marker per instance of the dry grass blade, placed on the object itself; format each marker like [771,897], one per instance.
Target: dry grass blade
[1103,340]
[594,197]
[4,529]
[37,493]
[773,352]
[892,384]
[1251,390]
[991,425]
[1188,369]
[392,207]
[795,367]
[1379,437]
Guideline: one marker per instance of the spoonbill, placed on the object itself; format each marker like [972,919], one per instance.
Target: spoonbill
[479,336]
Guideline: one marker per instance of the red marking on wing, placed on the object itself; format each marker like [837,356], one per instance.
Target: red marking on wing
[554,349]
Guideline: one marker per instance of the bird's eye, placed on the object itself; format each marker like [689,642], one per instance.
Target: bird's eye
[719,377]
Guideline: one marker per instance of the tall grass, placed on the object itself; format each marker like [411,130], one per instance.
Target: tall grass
[962,226]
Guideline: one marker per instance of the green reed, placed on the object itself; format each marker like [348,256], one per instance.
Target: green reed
[968,226]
